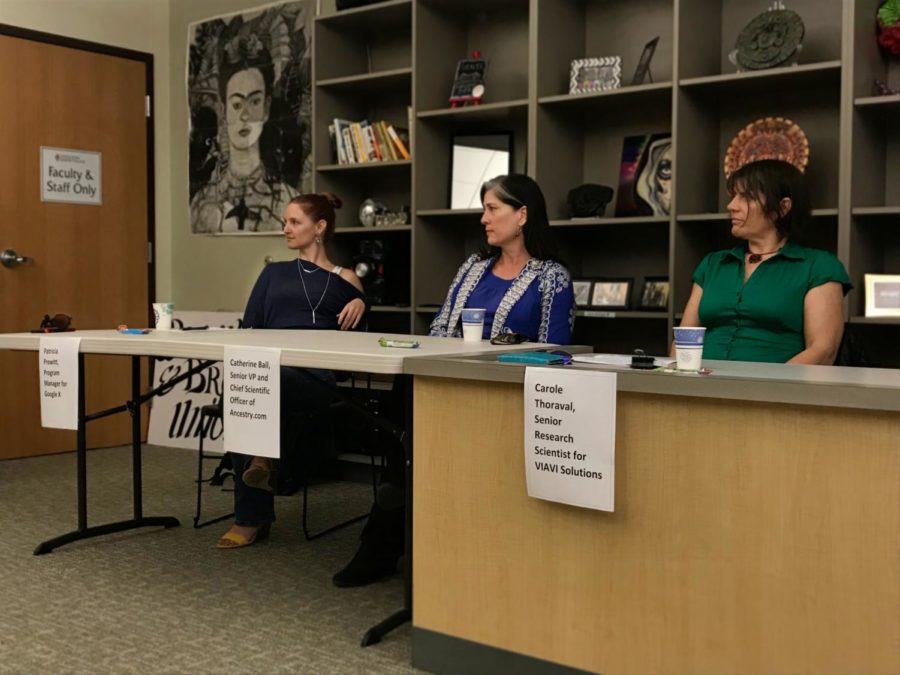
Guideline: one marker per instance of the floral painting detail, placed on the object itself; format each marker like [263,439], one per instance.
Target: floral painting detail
[889,26]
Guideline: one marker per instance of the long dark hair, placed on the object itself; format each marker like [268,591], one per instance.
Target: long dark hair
[518,190]
[767,182]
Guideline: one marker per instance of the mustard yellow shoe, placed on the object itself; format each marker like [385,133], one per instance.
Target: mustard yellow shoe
[234,540]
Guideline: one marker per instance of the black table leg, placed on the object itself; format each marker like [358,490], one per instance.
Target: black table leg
[375,634]
[83,531]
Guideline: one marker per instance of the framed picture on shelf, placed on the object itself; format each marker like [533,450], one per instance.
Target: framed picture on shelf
[643,67]
[475,158]
[582,289]
[597,74]
[655,294]
[882,295]
[611,293]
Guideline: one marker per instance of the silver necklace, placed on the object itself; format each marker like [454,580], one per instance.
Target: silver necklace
[300,270]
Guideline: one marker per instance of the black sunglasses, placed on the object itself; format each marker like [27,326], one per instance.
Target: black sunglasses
[56,323]
[509,338]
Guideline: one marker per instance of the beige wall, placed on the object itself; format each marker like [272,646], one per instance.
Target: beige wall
[141,25]
[208,272]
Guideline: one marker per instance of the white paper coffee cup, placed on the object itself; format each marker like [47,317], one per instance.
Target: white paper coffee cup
[472,324]
[689,358]
[162,315]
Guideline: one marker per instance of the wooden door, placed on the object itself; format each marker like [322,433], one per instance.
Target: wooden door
[89,261]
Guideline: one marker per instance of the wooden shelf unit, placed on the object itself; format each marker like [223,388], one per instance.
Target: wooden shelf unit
[564,140]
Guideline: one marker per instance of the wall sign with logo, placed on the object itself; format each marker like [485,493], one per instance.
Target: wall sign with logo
[70,176]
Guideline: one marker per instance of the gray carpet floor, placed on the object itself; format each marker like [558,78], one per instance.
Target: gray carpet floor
[166,601]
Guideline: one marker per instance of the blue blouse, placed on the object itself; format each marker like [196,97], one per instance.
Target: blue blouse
[539,302]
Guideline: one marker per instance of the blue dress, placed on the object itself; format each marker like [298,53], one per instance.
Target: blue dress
[282,298]
[539,302]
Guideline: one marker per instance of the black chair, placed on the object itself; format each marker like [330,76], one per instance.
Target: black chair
[318,426]
[209,415]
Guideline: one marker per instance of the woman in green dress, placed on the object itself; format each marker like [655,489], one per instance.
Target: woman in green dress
[769,299]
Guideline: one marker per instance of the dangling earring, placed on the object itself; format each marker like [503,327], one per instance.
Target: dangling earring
[318,239]
[519,232]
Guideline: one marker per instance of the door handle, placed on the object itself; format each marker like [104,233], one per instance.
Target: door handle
[10,258]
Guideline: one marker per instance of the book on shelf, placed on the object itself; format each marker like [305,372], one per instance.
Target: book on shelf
[372,143]
[363,141]
[341,141]
[401,139]
[359,142]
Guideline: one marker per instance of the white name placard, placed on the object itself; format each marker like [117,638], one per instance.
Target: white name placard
[252,391]
[58,374]
[570,437]
[70,176]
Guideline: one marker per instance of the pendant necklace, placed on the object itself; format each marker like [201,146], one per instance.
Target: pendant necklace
[300,270]
[756,257]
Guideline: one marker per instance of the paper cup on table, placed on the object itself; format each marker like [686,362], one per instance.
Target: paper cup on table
[162,315]
[473,324]
[689,347]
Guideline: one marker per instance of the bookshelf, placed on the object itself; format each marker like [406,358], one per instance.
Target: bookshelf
[363,70]
[390,56]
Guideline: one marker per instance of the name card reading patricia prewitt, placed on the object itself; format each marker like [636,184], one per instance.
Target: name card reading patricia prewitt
[570,437]
[58,374]
[252,392]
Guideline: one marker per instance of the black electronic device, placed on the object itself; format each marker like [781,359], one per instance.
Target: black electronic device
[369,267]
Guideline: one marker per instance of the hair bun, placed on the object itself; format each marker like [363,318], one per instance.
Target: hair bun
[332,199]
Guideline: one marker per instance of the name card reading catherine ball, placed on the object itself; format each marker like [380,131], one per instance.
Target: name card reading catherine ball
[570,437]
[58,374]
[252,410]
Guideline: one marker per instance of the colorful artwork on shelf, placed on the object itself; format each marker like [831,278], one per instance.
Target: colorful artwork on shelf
[645,176]
[768,138]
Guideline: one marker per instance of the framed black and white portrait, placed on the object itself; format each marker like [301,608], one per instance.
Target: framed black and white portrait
[655,293]
[250,103]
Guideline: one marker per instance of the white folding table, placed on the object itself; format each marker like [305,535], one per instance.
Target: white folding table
[334,350]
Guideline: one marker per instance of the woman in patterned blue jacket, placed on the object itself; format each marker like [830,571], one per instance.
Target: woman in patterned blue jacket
[518,278]
[524,288]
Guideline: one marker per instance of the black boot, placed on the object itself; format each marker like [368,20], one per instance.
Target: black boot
[368,565]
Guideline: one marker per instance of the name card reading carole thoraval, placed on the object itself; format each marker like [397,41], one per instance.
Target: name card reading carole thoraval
[570,437]
[58,373]
[252,409]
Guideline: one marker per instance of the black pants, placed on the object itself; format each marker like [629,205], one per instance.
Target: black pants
[305,394]
[384,531]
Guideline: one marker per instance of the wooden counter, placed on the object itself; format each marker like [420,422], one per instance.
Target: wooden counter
[748,536]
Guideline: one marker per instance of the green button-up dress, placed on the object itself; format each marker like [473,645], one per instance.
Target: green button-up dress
[761,320]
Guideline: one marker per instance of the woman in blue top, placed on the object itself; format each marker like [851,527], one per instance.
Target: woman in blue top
[769,299]
[307,293]
[521,284]
[518,279]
